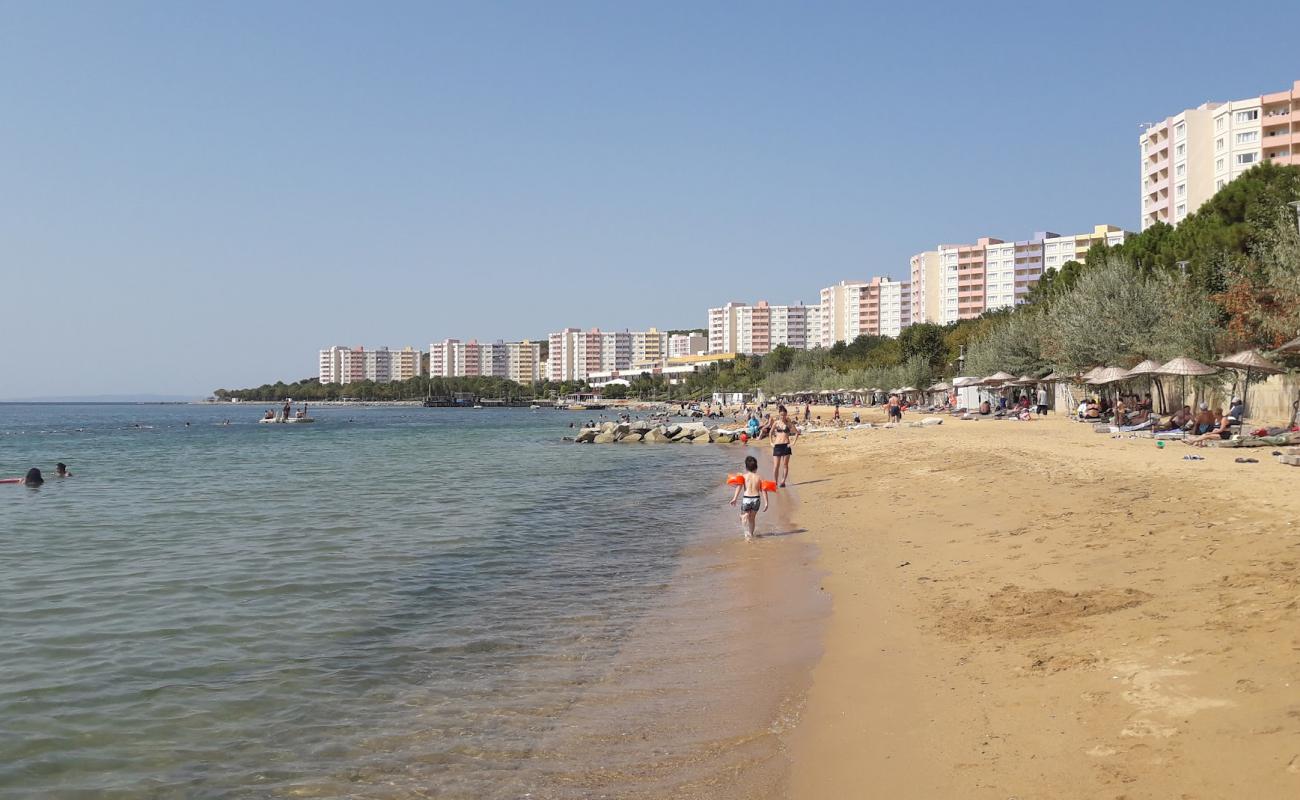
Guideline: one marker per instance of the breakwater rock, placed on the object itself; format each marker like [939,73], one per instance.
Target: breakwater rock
[650,433]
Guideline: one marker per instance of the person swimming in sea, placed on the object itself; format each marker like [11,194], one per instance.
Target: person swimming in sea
[61,470]
[33,477]
[749,501]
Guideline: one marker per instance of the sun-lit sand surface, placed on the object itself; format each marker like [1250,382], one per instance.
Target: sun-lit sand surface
[1034,610]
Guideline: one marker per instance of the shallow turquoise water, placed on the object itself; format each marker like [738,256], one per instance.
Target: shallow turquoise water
[385,597]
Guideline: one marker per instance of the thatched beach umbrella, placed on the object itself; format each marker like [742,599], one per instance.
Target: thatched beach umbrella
[998,378]
[1249,362]
[1087,377]
[1292,346]
[1184,366]
[1149,368]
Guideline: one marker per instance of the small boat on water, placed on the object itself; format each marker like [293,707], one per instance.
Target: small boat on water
[289,421]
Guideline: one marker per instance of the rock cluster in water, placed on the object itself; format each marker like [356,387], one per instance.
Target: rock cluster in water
[636,432]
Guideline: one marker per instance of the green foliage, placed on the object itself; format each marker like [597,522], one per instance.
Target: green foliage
[614,391]
[310,389]
[1229,224]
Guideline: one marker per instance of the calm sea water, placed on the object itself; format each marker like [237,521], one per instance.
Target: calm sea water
[388,603]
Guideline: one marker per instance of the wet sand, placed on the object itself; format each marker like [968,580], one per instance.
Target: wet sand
[704,691]
[1034,610]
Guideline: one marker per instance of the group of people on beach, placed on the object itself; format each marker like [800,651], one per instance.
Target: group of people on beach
[35,478]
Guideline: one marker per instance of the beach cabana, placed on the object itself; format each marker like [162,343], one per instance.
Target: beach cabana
[1249,362]
[1184,366]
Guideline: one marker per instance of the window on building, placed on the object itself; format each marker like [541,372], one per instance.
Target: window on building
[1180,131]
[1181,209]
[1245,158]
[1218,124]
[1219,165]
[1180,151]
[1247,116]
[1219,184]
[1181,190]
[1180,170]
[1246,137]
[1218,145]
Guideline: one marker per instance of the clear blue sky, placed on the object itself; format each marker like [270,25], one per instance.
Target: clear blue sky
[198,195]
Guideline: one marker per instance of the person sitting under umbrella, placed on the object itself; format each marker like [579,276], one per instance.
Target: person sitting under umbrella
[1220,431]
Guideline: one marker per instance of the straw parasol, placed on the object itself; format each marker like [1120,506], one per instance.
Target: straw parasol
[1052,377]
[1110,375]
[961,382]
[1184,366]
[997,378]
[940,387]
[1249,362]
[1150,367]
[1087,377]
[1292,346]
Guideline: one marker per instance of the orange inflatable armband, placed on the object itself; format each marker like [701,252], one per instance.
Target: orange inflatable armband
[769,486]
[736,480]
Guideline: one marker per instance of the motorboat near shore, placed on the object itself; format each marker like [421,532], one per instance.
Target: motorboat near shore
[283,421]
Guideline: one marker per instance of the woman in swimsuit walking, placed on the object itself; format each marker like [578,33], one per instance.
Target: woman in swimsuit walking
[782,432]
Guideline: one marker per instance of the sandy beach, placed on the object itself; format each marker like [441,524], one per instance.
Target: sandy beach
[1034,610]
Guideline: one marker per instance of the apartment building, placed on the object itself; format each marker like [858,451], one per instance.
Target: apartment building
[1057,250]
[524,361]
[576,354]
[927,286]
[561,365]
[722,328]
[840,311]
[1188,157]
[340,364]
[649,346]
[962,270]
[879,307]
[757,329]
[518,361]
[687,344]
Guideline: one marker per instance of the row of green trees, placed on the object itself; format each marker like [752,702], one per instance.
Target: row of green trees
[418,388]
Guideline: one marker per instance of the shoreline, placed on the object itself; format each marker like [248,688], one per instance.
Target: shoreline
[1033,609]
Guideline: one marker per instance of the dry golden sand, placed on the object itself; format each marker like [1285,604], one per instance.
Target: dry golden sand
[1034,610]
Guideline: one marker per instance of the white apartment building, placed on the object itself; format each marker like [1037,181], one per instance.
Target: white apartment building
[840,311]
[687,344]
[575,354]
[927,286]
[893,307]
[339,364]
[1057,250]
[561,360]
[1188,157]
[518,361]
[757,329]
[722,328]
[879,307]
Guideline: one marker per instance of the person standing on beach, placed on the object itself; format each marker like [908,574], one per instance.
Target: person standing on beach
[895,409]
[783,434]
[1042,401]
[749,502]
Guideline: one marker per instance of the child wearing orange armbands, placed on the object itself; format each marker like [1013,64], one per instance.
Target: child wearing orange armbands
[754,491]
